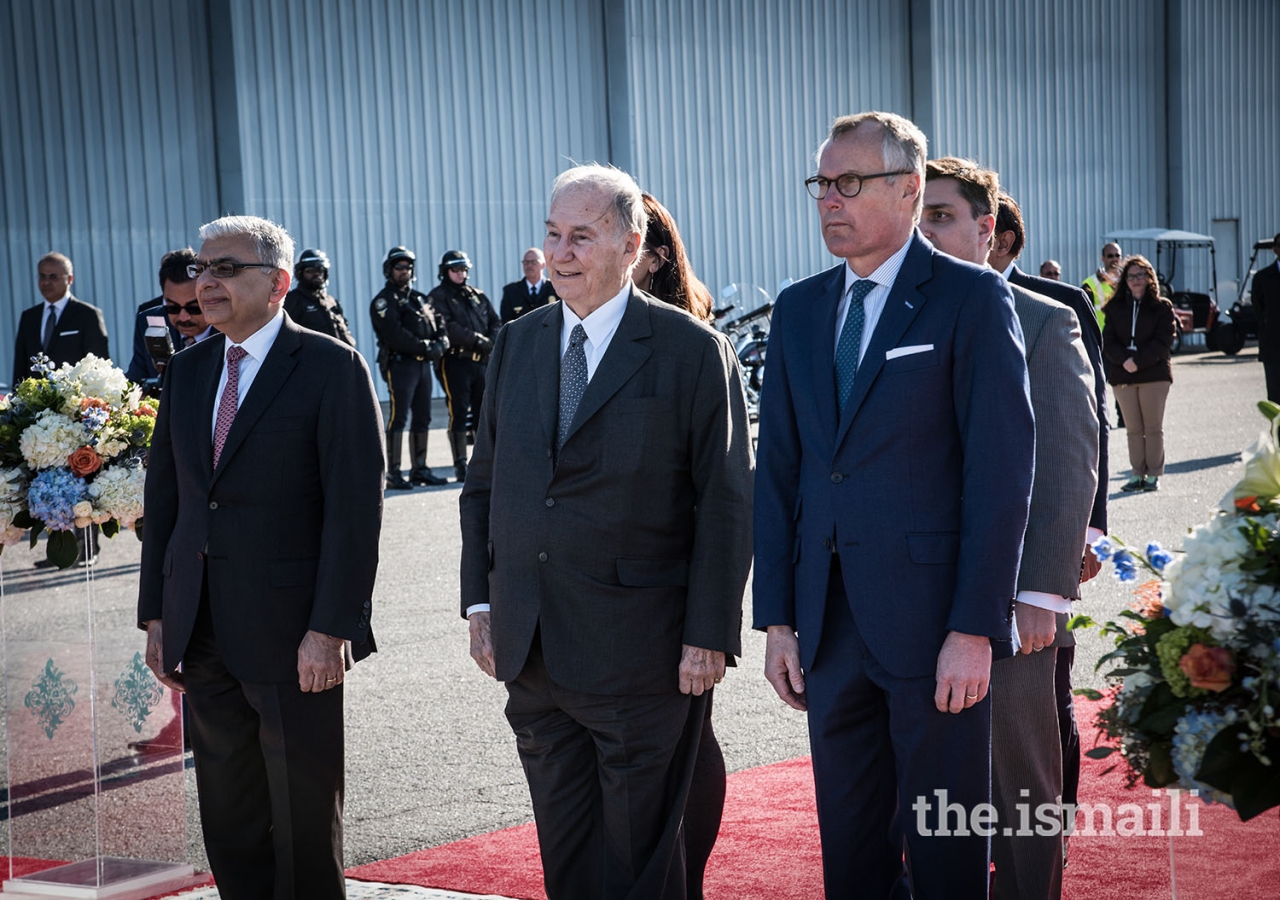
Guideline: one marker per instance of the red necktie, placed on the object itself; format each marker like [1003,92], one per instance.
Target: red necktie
[229,403]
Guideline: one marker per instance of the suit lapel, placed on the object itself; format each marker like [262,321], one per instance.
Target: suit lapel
[823,360]
[207,377]
[902,306]
[546,367]
[624,356]
[272,374]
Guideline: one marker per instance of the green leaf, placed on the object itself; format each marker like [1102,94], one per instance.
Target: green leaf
[61,549]
[1088,693]
[1269,409]
[23,520]
[1130,614]
[1254,788]
[1080,621]
[137,529]
[110,529]
[1100,752]
[1160,765]
[36,528]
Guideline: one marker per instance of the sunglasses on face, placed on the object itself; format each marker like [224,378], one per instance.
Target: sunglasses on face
[172,309]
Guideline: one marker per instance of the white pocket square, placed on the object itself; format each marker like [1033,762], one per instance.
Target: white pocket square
[907,351]
[65,333]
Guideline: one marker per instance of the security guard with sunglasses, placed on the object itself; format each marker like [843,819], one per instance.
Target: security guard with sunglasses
[309,305]
[410,338]
[177,303]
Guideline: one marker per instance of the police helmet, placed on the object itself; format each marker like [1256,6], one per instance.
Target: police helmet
[395,255]
[452,260]
[311,258]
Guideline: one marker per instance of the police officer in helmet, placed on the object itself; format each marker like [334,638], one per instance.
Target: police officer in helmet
[410,338]
[309,305]
[472,324]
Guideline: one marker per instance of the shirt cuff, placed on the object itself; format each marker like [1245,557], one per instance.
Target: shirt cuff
[1042,600]
[475,608]
[1091,534]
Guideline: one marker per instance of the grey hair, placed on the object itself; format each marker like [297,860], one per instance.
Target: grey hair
[271,242]
[903,145]
[628,205]
[60,258]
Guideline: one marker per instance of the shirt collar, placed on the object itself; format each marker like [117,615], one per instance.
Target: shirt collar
[259,343]
[209,332]
[886,274]
[1009,271]
[537,285]
[59,305]
[602,322]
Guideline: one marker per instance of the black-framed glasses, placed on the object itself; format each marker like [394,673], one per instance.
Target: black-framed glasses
[223,270]
[848,184]
[402,267]
[172,309]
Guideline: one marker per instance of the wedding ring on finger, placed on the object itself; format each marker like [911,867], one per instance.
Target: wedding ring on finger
[1037,647]
[971,696]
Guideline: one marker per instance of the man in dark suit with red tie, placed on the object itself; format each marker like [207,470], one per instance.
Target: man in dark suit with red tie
[263,507]
[605,546]
[529,292]
[62,328]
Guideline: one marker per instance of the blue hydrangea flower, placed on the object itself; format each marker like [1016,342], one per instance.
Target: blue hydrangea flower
[53,495]
[41,365]
[1102,548]
[93,419]
[1158,556]
[1126,565]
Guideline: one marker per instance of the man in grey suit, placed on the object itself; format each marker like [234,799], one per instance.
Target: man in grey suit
[960,202]
[605,546]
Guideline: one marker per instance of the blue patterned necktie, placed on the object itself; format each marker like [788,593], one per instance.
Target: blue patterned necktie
[573,381]
[851,341]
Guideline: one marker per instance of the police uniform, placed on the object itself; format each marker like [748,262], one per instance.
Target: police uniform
[471,324]
[410,337]
[318,312]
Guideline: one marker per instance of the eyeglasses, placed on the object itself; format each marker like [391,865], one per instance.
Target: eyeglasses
[223,270]
[1111,256]
[192,308]
[848,184]
[1136,276]
[531,262]
[403,267]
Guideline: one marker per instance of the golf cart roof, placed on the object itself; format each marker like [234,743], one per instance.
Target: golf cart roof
[1162,235]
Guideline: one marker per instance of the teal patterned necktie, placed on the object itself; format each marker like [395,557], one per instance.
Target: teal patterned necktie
[851,341]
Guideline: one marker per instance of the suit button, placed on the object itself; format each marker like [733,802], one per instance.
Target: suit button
[826,542]
[542,557]
[213,505]
[836,478]
[199,555]
[551,502]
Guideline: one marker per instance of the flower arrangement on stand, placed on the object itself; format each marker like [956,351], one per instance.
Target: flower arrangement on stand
[1195,692]
[73,446]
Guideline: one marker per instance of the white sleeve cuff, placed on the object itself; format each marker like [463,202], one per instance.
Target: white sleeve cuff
[1041,600]
[475,608]
[1091,534]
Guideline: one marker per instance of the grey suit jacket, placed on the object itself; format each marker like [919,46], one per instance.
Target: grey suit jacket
[1066,467]
[636,537]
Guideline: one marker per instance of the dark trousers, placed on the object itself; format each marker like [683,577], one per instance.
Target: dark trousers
[464,389]
[1067,727]
[409,384]
[880,750]
[269,772]
[608,776]
[705,807]
[1272,370]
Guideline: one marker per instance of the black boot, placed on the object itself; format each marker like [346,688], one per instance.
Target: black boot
[395,449]
[419,473]
[458,443]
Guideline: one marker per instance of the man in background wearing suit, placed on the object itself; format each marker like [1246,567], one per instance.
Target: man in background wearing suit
[1006,248]
[62,328]
[960,202]
[530,292]
[605,546]
[1266,305]
[177,303]
[895,462]
[264,505]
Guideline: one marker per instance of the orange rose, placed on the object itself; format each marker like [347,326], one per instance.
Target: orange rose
[1248,504]
[146,410]
[85,461]
[1210,668]
[93,403]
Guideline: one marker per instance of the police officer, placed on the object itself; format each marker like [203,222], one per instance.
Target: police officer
[410,338]
[308,304]
[472,324]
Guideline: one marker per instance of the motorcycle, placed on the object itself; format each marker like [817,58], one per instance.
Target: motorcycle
[749,334]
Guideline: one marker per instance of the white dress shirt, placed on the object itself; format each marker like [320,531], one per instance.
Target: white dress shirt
[55,309]
[257,345]
[873,303]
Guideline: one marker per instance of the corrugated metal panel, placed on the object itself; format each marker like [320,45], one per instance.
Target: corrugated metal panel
[1228,73]
[730,100]
[1067,101]
[104,149]
[429,124]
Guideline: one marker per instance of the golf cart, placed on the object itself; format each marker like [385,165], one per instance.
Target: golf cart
[1196,312]
[1242,311]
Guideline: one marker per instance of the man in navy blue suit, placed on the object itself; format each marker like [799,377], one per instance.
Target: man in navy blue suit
[894,472]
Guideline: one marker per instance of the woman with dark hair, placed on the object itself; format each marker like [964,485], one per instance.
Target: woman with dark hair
[663,271]
[1137,341]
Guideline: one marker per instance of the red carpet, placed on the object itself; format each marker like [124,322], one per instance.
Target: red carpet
[768,848]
